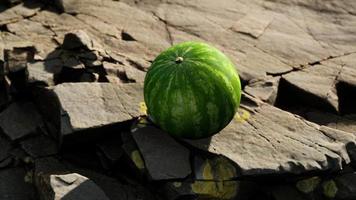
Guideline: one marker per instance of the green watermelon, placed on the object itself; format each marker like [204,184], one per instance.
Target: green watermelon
[192,90]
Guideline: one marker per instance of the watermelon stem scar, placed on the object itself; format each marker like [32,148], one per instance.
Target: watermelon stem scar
[179,60]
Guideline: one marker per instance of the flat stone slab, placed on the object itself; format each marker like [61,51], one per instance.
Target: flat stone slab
[93,105]
[163,156]
[267,140]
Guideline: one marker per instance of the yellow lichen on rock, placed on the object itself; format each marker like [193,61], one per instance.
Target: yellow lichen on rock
[215,189]
[242,115]
[137,159]
[308,185]
[330,189]
[143,108]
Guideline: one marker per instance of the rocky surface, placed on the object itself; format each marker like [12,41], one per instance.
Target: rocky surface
[73,123]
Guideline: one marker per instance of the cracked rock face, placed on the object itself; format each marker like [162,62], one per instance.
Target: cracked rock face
[73,124]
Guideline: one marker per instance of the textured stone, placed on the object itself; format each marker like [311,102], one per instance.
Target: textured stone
[266,90]
[82,106]
[20,120]
[154,145]
[266,140]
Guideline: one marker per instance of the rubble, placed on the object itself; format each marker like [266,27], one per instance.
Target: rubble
[73,123]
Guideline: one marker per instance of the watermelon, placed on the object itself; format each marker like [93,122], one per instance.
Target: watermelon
[192,90]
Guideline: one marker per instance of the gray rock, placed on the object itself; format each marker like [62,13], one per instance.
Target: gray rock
[13,185]
[266,89]
[125,72]
[314,86]
[20,119]
[40,146]
[345,123]
[267,140]
[82,106]
[154,145]
[69,186]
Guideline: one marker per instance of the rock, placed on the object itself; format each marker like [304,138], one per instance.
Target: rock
[288,143]
[115,189]
[253,24]
[5,148]
[15,177]
[132,156]
[173,158]
[111,150]
[40,146]
[126,73]
[20,119]
[18,12]
[346,189]
[265,90]
[214,168]
[308,185]
[16,66]
[345,123]
[77,39]
[49,165]
[226,190]
[69,186]
[73,63]
[105,104]
[16,59]
[313,86]
[39,75]
[285,192]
